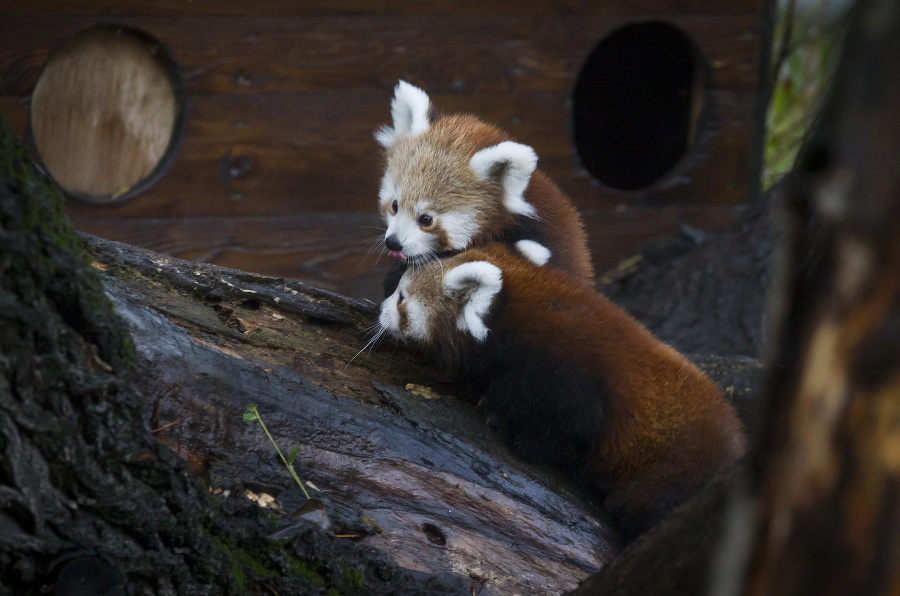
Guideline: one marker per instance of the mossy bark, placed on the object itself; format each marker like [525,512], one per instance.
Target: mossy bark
[89,499]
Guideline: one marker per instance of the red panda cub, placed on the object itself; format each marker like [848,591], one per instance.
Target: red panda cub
[456,182]
[571,380]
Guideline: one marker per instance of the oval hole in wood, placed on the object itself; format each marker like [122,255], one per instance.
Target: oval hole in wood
[638,105]
[108,113]
[434,534]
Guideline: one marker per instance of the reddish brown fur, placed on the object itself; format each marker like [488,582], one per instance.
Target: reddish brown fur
[438,161]
[666,427]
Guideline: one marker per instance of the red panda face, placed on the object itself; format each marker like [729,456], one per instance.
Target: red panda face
[450,184]
[406,314]
[425,218]
[441,302]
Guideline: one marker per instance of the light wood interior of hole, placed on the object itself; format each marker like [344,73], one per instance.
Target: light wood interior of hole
[103,113]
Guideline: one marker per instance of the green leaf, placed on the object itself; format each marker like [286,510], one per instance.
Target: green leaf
[252,414]
[293,454]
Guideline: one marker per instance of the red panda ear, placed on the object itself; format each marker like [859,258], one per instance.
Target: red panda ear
[513,163]
[479,281]
[409,109]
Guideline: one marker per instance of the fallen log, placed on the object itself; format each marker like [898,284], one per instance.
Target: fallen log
[401,466]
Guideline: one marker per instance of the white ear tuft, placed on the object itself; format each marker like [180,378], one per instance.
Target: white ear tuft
[484,281]
[517,162]
[409,109]
[534,252]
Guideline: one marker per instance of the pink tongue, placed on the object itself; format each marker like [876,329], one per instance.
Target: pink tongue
[396,254]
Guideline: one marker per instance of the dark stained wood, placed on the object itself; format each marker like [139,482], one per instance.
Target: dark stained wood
[363,7]
[284,99]
[342,252]
[443,54]
[287,153]
[316,225]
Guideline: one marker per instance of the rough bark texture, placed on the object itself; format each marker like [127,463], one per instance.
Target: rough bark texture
[90,501]
[703,293]
[822,495]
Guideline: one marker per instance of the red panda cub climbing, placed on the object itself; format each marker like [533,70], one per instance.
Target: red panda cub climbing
[569,379]
[457,182]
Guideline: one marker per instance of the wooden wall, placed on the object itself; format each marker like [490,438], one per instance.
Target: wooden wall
[279,172]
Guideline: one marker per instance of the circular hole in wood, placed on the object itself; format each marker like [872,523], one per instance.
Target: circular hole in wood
[637,105]
[107,113]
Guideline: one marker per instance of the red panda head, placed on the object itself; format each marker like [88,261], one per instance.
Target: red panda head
[448,184]
[440,304]
[446,304]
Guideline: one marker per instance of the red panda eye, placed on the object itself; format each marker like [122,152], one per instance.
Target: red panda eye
[425,221]
[394,206]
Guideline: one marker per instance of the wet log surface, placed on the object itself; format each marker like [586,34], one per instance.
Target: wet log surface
[412,472]
[404,467]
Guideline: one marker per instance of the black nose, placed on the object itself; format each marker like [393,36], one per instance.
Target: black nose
[392,243]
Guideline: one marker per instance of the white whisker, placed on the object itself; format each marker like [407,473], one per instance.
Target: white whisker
[434,257]
[369,344]
[375,248]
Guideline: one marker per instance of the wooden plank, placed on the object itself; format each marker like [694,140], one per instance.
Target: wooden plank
[301,233]
[721,171]
[107,8]
[279,172]
[334,251]
[445,54]
[273,154]
[15,111]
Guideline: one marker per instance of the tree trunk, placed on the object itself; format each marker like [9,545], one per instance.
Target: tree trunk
[823,486]
[816,509]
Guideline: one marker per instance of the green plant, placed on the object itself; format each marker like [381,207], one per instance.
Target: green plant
[252,414]
[803,62]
